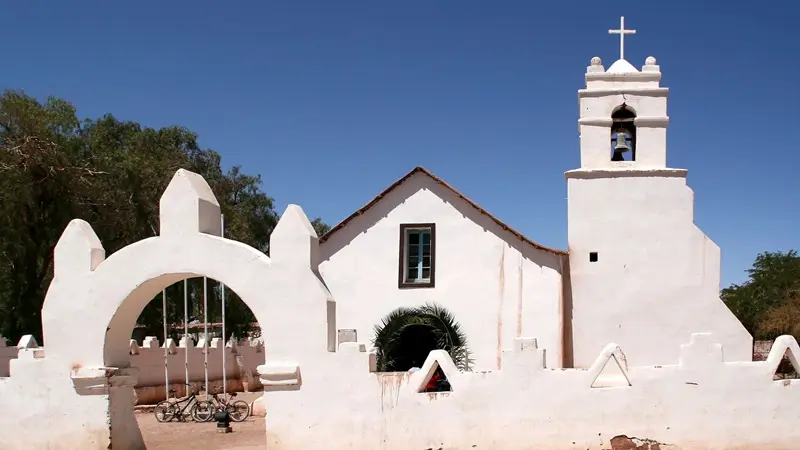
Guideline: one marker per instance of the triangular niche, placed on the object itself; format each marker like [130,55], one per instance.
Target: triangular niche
[788,368]
[435,381]
[612,374]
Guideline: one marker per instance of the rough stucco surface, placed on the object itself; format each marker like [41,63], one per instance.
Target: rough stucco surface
[497,287]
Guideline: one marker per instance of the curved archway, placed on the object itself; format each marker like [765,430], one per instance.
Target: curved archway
[120,288]
[93,303]
[623,134]
[406,336]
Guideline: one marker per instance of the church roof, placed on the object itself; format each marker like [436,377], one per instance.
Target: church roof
[442,183]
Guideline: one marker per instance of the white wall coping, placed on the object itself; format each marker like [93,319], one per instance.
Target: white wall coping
[641,91]
[628,170]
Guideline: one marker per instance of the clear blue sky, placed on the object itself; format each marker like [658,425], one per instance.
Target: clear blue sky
[331,101]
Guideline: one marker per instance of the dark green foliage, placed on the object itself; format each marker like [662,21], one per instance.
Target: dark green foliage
[111,173]
[442,325]
[767,303]
[320,227]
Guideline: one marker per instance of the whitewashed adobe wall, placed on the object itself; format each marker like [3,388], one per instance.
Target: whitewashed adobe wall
[8,353]
[656,278]
[700,403]
[242,360]
[88,399]
[497,286]
[150,360]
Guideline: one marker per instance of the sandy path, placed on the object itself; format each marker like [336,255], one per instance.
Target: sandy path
[247,435]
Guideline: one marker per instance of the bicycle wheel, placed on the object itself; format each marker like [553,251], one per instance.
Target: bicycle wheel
[202,411]
[239,411]
[164,411]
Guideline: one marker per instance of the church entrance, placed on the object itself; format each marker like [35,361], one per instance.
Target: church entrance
[93,305]
[407,335]
[414,344]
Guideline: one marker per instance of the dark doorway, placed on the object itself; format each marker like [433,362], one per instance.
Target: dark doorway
[406,337]
[414,344]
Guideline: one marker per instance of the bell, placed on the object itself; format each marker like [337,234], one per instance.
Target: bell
[622,145]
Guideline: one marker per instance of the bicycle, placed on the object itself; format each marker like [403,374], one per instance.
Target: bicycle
[238,410]
[199,410]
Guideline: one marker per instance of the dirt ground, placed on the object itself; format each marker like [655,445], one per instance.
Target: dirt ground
[247,435]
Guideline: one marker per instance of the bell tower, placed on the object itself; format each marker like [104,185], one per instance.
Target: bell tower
[623,114]
[642,274]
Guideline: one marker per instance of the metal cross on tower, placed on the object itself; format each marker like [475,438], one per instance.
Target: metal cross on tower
[622,32]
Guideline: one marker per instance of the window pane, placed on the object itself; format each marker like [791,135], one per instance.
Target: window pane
[413,261]
[426,237]
[418,255]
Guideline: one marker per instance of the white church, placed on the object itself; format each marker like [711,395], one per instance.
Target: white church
[621,342]
[638,271]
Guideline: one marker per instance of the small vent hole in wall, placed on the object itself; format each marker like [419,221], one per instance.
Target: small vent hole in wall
[436,381]
[786,370]
[592,256]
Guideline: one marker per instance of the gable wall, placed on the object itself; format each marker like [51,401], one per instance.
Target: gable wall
[497,286]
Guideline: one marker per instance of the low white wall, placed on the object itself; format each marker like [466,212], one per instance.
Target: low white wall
[700,403]
[150,361]
[242,359]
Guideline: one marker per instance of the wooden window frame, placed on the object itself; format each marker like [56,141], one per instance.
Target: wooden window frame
[401,279]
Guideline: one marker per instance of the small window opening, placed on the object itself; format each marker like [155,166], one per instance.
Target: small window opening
[437,382]
[623,135]
[417,255]
[786,370]
[592,256]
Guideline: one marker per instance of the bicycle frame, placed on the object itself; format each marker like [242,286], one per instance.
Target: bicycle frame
[189,401]
[220,402]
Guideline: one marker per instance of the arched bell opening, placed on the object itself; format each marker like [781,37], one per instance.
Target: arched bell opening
[623,134]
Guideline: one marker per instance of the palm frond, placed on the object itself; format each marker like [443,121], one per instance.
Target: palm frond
[447,331]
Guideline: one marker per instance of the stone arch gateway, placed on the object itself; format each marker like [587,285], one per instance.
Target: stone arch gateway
[84,382]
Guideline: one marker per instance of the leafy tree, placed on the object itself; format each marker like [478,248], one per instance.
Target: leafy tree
[111,173]
[320,227]
[763,301]
[40,165]
[783,319]
[406,336]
